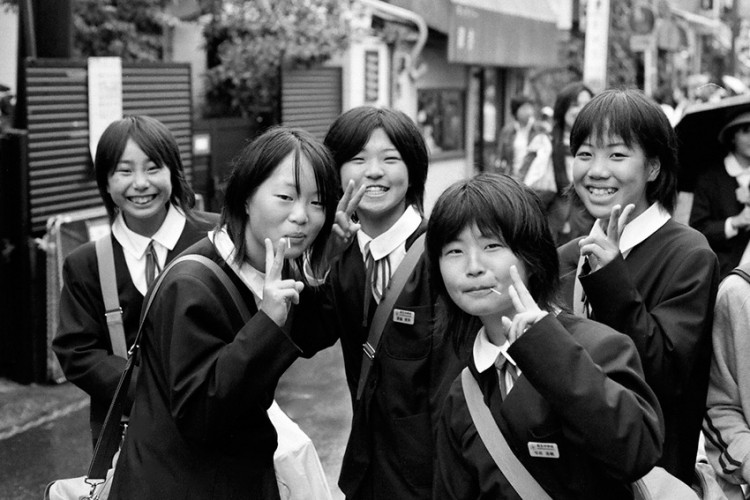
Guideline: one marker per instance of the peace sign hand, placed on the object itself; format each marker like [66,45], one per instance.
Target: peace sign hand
[603,247]
[278,294]
[344,228]
[528,312]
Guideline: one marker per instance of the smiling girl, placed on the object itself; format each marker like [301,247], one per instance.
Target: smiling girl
[570,400]
[199,428]
[141,180]
[390,450]
[639,271]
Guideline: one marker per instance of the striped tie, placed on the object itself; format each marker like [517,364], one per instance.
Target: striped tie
[152,264]
[503,365]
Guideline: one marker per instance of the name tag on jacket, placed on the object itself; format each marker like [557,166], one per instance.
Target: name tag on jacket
[404,317]
[543,450]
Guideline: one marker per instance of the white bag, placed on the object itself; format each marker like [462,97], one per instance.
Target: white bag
[541,173]
[299,473]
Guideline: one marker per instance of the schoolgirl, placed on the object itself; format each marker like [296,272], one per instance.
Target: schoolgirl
[568,394]
[141,180]
[199,428]
[639,271]
[390,449]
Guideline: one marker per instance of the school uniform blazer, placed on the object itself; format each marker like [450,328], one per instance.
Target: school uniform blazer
[390,449]
[713,202]
[82,343]
[199,427]
[582,391]
[662,296]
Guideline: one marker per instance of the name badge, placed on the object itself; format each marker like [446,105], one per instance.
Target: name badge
[404,317]
[543,450]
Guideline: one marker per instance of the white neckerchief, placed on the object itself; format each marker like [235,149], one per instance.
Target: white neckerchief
[134,245]
[734,169]
[485,353]
[251,277]
[391,243]
[635,232]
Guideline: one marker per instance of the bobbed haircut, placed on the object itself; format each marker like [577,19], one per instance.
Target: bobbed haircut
[517,101]
[564,100]
[350,132]
[256,162]
[157,143]
[502,207]
[636,119]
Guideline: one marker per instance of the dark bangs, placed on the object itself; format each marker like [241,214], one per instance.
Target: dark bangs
[636,119]
[350,132]
[501,207]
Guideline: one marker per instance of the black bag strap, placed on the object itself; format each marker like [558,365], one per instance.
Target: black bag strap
[109,436]
[105,260]
[517,475]
[380,318]
[742,271]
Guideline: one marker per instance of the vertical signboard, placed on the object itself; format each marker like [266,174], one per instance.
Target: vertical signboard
[105,96]
[595,51]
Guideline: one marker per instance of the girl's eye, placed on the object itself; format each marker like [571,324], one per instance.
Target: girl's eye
[451,251]
[284,197]
[619,156]
[317,203]
[357,159]
[122,169]
[154,168]
[392,158]
[583,154]
[493,245]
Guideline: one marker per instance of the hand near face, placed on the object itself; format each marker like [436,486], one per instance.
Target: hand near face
[601,250]
[741,221]
[528,312]
[278,294]
[344,228]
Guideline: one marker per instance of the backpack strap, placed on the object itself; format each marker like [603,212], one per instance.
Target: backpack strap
[105,260]
[382,313]
[743,271]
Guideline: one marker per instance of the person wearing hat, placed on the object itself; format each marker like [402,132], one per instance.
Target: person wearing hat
[721,203]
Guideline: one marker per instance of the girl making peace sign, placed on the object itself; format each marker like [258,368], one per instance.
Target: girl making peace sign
[199,427]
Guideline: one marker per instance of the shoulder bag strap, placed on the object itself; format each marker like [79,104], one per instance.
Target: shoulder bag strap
[742,271]
[105,260]
[513,470]
[380,318]
[109,436]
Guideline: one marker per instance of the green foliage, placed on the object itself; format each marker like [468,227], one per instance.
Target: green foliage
[130,29]
[249,41]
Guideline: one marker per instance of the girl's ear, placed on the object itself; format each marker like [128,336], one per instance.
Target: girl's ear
[654,167]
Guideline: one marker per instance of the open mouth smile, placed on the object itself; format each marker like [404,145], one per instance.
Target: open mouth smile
[601,191]
[142,200]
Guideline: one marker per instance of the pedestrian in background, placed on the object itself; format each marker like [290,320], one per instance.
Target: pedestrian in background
[639,271]
[515,136]
[567,221]
[142,184]
[199,427]
[721,201]
[390,449]
[727,423]
[567,393]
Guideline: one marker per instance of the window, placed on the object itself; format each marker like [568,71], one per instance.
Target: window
[441,118]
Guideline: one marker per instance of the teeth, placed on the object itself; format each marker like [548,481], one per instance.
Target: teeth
[140,200]
[376,189]
[602,191]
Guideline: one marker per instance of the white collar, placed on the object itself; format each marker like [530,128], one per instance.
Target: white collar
[638,229]
[485,352]
[251,277]
[395,236]
[734,168]
[167,235]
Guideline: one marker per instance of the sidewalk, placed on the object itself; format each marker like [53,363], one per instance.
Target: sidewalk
[26,406]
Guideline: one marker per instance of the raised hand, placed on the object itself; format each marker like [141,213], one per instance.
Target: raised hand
[602,247]
[278,294]
[344,228]
[528,312]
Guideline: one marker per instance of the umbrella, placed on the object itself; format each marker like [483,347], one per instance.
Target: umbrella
[697,134]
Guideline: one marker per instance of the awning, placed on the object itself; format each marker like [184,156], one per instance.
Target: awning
[516,33]
[512,33]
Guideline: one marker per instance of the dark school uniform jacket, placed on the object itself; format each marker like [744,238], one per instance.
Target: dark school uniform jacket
[713,202]
[199,427]
[390,450]
[662,296]
[82,343]
[581,390]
